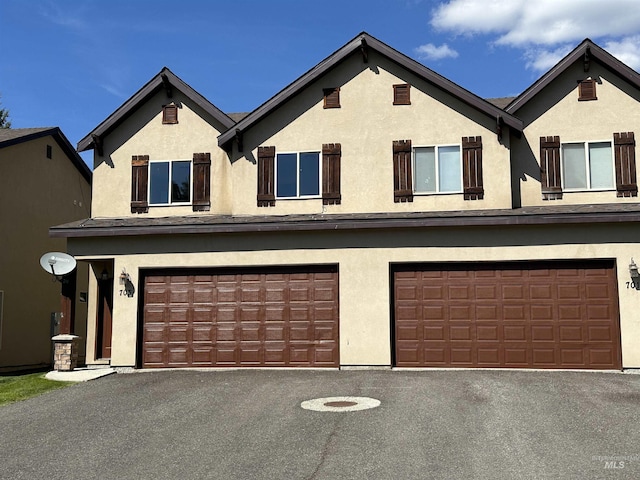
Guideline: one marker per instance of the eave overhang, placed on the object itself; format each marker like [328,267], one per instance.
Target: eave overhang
[221,224]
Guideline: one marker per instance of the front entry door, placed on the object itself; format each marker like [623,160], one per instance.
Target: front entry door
[105,306]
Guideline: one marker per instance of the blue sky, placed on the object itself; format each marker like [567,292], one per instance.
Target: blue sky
[71,63]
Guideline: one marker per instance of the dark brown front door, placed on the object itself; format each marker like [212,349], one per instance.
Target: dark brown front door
[105,307]
[258,317]
[517,315]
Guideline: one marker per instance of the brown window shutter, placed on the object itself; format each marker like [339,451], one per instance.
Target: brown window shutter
[587,90]
[472,168]
[332,97]
[139,183]
[331,154]
[402,94]
[201,182]
[625,158]
[402,178]
[266,176]
[169,114]
[550,178]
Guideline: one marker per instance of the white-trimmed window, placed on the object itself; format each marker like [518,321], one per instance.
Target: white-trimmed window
[437,169]
[588,166]
[170,182]
[298,175]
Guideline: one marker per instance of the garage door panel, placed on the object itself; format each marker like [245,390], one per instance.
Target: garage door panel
[288,316]
[525,315]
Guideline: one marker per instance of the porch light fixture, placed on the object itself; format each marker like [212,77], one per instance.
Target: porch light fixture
[104,275]
[633,269]
[124,277]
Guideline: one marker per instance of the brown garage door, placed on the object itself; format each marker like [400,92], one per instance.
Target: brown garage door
[276,317]
[517,315]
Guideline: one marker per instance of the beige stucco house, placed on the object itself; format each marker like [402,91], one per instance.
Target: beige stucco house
[372,213]
[43,182]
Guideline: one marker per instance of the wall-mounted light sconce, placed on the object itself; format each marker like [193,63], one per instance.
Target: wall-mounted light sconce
[104,275]
[633,270]
[124,277]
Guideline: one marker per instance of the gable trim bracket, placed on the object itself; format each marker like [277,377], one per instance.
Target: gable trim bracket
[364,49]
[587,59]
[499,125]
[167,85]
[238,139]
[97,142]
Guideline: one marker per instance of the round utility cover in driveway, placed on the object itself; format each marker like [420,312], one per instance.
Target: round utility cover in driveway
[340,404]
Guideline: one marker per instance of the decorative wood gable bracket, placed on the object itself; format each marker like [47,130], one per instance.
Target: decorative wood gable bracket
[239,141]
[587,59]
[97,142]
[499,125]
[167,85]
[364,49]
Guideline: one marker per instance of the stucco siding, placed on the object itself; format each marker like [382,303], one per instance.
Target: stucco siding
[143,133]
[556,111]
[364,260]
[366,126]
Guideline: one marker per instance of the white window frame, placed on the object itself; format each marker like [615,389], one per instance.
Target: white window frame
[297,154]
[586,144]
[170,203]
[437,169]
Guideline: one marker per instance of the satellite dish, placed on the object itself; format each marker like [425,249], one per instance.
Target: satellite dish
[57,263]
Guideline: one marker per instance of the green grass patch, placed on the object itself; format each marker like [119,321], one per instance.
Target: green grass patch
[21,387]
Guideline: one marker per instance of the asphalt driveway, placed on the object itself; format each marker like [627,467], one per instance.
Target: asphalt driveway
[249,424]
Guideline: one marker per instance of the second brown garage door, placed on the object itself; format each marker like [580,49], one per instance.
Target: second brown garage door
[518,315]
[260,317]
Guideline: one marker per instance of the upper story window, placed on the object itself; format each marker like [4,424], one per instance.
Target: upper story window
[170,182]
[587,90]
[298,175]
[331,97]
[402,94]
[437,169]
[169,114]
[587,166]
[583,166]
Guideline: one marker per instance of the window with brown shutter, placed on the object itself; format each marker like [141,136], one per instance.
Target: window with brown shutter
[472,168]
[332,97]
[331,155]
[201,182]
[402,94]
[139,182]
[402,177]
[625,159]
[587,90]
[550,178]
[266,176]
[169,114]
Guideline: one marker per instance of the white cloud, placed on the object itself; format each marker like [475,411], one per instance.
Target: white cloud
[432,52]
[543,28]
[626,50]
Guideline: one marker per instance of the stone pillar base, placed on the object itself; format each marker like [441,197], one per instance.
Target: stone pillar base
[65,352]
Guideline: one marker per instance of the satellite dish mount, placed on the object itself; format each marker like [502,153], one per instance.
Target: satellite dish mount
[57,264]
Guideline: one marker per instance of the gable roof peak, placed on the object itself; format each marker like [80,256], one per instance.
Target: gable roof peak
[586,47]
[352,46]
[166,79]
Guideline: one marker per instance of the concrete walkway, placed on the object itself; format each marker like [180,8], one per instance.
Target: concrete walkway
[80,374]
